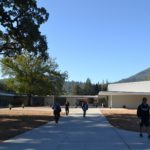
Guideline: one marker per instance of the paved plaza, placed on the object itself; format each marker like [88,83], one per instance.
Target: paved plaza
[77,133]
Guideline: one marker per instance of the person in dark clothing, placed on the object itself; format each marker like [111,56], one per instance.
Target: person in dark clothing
[143,115]
[56,111]
[84,108]
[67,108]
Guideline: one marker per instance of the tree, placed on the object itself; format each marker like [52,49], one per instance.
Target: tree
[104,85]
[148,78]
[88,87]
[20,21]
[33,76]
[2,85]
[95,89]
[77,90]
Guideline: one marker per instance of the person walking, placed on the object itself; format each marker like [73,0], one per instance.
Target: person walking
[143,115]
[84,108]
[67,108]
[56,111]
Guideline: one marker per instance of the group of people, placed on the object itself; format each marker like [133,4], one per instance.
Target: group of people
[142,114]
[57,109]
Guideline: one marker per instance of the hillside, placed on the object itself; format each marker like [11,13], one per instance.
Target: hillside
[141,76]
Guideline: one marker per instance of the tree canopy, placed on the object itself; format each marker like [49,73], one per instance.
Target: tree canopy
[84,88]
[20,21]
[33,75]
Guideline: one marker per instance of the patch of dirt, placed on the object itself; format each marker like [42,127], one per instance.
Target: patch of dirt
[19,120]
[122,118]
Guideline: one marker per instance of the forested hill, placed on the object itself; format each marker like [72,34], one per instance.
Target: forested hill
[83,88]
[141,76]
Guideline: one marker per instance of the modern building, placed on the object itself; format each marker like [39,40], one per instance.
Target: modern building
[127,95]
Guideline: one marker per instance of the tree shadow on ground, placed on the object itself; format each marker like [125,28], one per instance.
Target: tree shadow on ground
[124,121]
[11,126]
[72,133]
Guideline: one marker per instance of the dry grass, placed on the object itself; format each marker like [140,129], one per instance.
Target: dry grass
[122,118]
[19,120]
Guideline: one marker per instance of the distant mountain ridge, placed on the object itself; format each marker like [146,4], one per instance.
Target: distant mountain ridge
[141,76]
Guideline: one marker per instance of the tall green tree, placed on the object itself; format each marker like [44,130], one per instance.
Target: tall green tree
[88,87]
[95,89]
[148,78]
[77,90]
[32,75]
[20,21]
[2,85]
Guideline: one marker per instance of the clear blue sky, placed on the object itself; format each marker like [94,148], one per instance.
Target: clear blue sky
[99,39]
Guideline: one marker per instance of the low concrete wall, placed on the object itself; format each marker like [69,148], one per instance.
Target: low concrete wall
[6,100]
[40,100]
[49,100]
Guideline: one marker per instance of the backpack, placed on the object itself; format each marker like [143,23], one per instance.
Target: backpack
[85,107]
[56,108]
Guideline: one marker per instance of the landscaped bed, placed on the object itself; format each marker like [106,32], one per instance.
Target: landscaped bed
[19,120]
[122,118]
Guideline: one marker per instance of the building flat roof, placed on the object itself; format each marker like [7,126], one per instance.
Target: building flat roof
[79,96]
[107,93]
[6,94]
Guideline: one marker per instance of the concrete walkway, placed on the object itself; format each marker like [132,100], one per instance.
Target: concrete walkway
[77,133]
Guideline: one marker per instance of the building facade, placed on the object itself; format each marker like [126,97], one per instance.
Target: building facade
[127,95]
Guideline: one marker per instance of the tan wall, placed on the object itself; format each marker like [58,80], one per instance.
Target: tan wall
[72,101]
[49,100]
[130,101]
